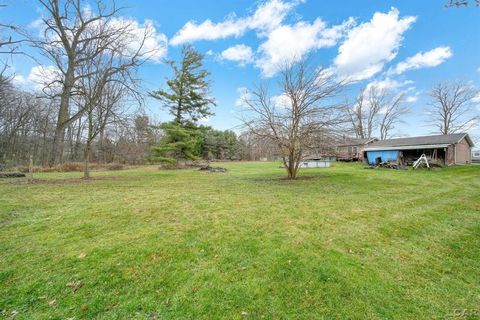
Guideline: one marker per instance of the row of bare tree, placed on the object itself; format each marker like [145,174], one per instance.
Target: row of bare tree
[88,108]
[310,114]
[91,95]
[110,134]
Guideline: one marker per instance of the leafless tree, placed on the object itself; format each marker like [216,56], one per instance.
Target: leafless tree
[363,114]
[375,109]
[307,108]
[70,30]
[111,78]
[391,114]
[452,107]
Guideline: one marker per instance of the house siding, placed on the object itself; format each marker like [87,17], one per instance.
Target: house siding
[464,152]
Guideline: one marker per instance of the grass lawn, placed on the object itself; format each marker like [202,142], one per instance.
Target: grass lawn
[347,243]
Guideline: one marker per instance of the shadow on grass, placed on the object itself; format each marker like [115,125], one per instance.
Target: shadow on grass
[65,181]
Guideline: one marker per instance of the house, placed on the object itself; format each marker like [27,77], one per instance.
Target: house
[351,149]
[447,149]
[476,156]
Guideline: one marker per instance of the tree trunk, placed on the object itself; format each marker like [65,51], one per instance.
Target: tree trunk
[86,170]
[291,167]
[56,155]
[56,145]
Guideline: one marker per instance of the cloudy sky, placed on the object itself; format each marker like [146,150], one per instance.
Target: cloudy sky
[403,45]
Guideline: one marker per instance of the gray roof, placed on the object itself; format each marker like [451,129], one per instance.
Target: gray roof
[443,139]
[355,141]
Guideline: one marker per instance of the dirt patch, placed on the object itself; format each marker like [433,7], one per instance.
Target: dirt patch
[214,169]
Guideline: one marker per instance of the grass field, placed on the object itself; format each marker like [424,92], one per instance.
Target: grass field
[346,243]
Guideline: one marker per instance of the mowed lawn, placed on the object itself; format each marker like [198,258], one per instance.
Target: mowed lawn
[344,243]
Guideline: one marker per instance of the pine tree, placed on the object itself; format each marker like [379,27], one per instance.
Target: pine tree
[180,143]
[188,95]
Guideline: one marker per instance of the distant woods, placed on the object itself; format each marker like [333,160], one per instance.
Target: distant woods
[89,102]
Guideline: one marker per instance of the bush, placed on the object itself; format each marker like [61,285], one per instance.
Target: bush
[114,166]
[69,167]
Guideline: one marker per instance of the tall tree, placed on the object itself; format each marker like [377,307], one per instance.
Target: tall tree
[375,109]
[65,37]
[391,113]
[73,36]
[307,108]
[111,78]
[188,95]
[179,144]
[452,106]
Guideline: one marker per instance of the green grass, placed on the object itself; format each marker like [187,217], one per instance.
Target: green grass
[348,243]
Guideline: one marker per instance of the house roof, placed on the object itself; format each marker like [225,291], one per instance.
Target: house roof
[436,141]
[356,142]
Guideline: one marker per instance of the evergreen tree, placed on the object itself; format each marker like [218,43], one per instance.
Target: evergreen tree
[180,143]
[188,95]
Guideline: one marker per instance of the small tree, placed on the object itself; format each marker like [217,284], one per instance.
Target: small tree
[188,95]
[452,107]
[306,109]
[179,144]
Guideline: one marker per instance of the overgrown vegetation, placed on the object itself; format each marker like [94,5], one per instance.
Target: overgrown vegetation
[346,243]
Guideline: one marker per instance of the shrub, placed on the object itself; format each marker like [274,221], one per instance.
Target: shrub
[114,166]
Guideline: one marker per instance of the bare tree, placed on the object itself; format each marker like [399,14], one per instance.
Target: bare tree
[363,115]
[391,113]
[67,40]
[375,109]
[452,106]
[111,78]
[306,109]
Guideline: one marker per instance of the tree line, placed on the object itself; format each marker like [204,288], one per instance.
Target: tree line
[90,106]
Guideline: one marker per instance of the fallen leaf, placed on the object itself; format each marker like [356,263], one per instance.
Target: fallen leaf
[82,255]
[52,303]
[84,308]
[78,285]
[74,285]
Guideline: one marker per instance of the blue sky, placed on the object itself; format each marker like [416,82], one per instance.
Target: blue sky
[404,45]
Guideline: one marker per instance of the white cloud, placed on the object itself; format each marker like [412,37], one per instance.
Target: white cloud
[209,53]
[19,80]
[372,44]
[476,99]
[290,43]
[44,78]
[478,70]
[427,59]
[472,125]
[154,44]
[267,16]
[389,84]
[281,101]
[243,94]
[411,99]
[240,53]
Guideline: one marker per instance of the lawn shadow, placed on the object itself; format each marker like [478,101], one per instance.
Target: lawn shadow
[66,181]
